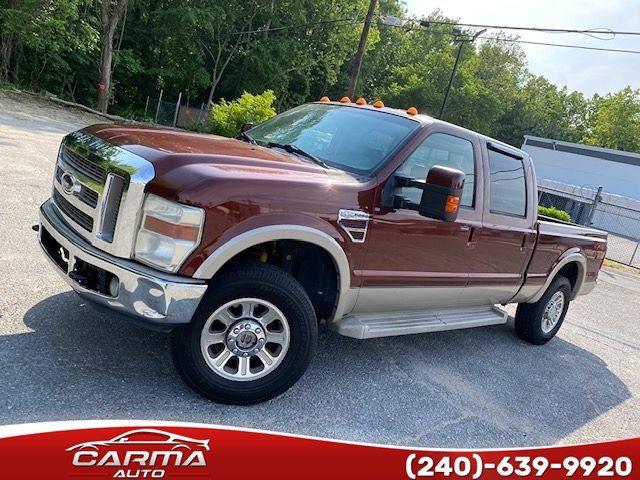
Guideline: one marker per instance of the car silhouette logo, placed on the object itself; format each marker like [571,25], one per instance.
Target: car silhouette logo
[146,436]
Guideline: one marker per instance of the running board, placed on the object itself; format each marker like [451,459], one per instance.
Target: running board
[374,325]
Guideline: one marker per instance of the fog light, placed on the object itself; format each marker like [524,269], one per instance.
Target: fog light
[114,286]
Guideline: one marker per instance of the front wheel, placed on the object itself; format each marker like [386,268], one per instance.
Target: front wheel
[251,339]
[538,322]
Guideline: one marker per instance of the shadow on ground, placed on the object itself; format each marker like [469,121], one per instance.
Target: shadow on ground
[470,388]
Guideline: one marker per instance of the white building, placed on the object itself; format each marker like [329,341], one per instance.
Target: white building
[569,175]
[584,166]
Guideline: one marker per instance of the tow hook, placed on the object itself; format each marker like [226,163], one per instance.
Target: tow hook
[35,228]
[79,276]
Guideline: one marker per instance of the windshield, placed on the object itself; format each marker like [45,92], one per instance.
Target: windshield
[354,139]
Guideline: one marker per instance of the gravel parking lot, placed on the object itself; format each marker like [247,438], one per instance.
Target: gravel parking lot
[62,360]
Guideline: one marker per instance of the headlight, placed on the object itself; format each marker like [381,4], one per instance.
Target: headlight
[168,234]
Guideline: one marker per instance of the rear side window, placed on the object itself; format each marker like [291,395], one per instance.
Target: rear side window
[508,185]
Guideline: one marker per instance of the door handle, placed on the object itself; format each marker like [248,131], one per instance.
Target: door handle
[471,231]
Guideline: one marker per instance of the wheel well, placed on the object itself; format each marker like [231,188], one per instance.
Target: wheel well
[309,264]
[570,271]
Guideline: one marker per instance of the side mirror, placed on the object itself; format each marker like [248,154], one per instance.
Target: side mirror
[246,127]
[441,193]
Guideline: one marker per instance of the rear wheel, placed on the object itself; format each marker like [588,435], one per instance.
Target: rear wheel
[251,339]
[538,322]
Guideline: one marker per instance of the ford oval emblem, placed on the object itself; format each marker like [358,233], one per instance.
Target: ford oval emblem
[69,183]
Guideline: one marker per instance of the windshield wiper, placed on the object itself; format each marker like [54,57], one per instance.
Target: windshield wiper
[247,138]
[289,147]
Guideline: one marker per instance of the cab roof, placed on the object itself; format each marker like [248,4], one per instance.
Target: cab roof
[421,118]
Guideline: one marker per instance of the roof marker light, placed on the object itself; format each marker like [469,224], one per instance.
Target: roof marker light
[345,100]
[361,101]
[412,111]
[325,99]
[378,104]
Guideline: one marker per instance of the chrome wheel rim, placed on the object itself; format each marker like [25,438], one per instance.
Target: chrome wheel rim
[245,339]
[552,312]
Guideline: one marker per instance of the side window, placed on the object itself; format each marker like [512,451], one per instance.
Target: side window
[508,186]
[444,150]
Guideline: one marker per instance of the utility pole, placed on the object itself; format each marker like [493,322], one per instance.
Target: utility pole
[455,67]
[357,61]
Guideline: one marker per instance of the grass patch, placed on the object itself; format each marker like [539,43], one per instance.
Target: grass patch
[6,85]
[620,266]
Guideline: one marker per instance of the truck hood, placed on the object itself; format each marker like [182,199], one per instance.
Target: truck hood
[171,146]
[186,162]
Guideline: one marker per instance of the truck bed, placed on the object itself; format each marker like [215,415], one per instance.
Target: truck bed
[553,226]
[557,240]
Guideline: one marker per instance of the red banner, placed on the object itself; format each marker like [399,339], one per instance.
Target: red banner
[90,450]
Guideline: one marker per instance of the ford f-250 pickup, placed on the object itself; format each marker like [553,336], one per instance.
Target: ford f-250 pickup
[375,220]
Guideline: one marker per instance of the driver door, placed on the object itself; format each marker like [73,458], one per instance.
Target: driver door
[414,262]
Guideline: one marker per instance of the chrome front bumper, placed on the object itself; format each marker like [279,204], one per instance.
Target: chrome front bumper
[142,292]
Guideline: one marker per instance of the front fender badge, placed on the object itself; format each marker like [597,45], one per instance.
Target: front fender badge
[354,223]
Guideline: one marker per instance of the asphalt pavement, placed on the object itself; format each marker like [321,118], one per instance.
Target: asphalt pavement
[61,360]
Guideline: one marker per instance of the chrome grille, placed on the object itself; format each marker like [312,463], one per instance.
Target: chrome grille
[96,184]
[111,206]
[89,197]
[78,216]
[82,165]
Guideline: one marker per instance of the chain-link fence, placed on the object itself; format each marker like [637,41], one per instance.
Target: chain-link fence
[163,112]
[620,216]
[193,118]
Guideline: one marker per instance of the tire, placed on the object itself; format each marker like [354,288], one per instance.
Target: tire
[257,307]
[531,323]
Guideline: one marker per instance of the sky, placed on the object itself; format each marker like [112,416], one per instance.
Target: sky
[586,71]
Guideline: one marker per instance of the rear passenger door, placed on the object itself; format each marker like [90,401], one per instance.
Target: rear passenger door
[508,234]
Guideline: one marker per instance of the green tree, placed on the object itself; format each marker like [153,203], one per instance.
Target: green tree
[614,121]
[111,13]
[299,49]
[542,109]
[303,57]
[410,66]
[43,43]
[486,86]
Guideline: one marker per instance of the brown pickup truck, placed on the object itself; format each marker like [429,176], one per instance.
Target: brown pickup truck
[376,221]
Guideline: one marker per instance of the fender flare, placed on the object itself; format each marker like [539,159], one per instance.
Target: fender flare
[251,238]
[574,257]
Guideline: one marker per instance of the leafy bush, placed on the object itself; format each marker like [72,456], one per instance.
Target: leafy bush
[228,117]
[554,212]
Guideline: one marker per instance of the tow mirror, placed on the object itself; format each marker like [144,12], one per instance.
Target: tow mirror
[441,193]
[246,127]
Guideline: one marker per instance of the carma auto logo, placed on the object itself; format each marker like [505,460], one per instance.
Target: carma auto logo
[144,453]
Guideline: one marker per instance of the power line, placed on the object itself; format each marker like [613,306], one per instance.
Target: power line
[517,40]
[535,29]
[564,45]
[258,30]
[357,21]
[300,25]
